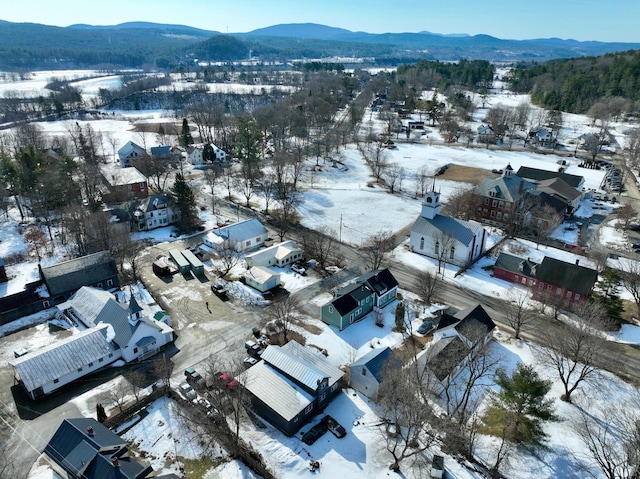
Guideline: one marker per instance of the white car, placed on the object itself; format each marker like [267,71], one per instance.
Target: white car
[296,268]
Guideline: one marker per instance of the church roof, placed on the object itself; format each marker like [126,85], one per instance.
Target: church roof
[460,230]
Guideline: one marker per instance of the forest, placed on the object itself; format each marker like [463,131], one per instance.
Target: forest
[575,85]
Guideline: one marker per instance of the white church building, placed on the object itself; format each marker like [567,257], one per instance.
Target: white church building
[444,238]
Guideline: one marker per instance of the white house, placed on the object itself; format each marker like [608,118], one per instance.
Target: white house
[280,254]
[194,155]
[220,154]
[154,212]
[130,152]
[115,330]
[261,278]
[243,235]
[445,238]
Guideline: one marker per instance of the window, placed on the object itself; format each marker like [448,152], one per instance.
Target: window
[109,282]
[486,201]
[308,409]
[499,215]
[135,350]
[505,216]
[541,285]
[90,364]
[323,396]
[99,285]
[364,371]
[331,309]
[45,304]
[100,360]
[569,295]
[422,243]
[110,355]
[577,298]
[79,370]
[56,381]
[351,318]
[334,387]
[549,287]
[494,203]
[493,214]
[501,205]
[437,248]
[452,252]
[248,243]
[358,311]
[524,280]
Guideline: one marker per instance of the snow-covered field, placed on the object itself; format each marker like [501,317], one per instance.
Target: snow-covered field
[342,200]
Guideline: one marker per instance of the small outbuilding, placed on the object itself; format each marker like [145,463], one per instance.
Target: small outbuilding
[261,278]
[367,373]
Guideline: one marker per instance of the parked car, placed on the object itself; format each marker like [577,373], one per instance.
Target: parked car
[219,290]
[195,379]
[249,361]
[187,391]
[426,327]
[297,268]
[315,433]
[227,381]
[336,429]
[253,349]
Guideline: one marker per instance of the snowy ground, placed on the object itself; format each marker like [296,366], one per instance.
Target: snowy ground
[340,198]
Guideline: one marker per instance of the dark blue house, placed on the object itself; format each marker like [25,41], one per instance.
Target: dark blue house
[82,448]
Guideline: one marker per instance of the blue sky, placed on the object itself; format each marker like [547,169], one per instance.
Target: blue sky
[610,21]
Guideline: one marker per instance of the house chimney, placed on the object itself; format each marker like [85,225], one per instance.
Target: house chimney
[90,431]
[115,462]
[577,262]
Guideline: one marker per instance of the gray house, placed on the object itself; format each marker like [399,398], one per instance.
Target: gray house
[242,236]
[290,385]
[65,278]
[367,373]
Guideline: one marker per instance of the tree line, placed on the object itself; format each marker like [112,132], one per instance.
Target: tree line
[575,85]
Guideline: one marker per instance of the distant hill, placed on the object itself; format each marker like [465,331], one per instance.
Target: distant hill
[146,44]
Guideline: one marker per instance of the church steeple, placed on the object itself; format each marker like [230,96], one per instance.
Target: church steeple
[508,171]
[431,203]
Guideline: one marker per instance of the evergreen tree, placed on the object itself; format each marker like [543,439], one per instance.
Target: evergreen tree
[101,414]
[185,200]
[522,405]
[185,134]
[400,311]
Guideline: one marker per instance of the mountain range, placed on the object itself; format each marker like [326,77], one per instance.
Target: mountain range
[145,44]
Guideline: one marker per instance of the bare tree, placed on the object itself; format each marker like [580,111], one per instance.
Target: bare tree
[163,368]
[613,443]
[283,312]
[212,177]
[228,256]
[267,188]
[630,278]
[461,391]
[375,251]
[319,245]
[118,394]
[517,311]
[414,420]
[462,204]
[422,178]
[376,158]
[428,284]
[626,214]
[443,249]
[573,349]
[229,401]
[136,382]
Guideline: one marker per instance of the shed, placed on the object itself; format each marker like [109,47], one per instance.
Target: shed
[196,265]
[261,278]
[181,262]
[367,373]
